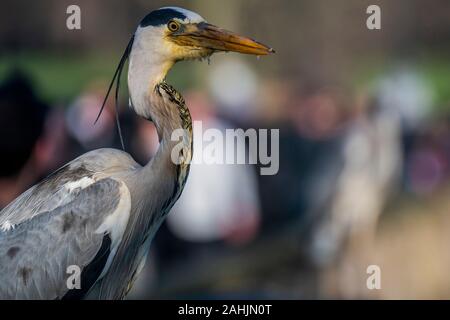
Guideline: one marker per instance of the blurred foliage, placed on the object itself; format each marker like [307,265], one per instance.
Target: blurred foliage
[437,72]
[59,78]
[434,68]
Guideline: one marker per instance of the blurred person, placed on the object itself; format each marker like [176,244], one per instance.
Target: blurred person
[371,157]
[81,115]
[404,89]
[80,131]
[23,144]
[309,138]
[338,161]
[230,212]
[233,85]
[374,146]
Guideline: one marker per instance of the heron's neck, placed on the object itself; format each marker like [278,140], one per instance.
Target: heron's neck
[146,69]
[157,101]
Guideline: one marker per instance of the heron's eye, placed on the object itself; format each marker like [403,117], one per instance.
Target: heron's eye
[173,26]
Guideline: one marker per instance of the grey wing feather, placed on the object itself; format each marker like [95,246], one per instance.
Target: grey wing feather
[45,196]
[34,256]
[51,193]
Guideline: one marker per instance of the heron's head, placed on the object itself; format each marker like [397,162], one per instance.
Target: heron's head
[168,35]
[176,34]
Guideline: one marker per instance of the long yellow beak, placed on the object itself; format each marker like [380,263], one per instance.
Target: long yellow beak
[205,35]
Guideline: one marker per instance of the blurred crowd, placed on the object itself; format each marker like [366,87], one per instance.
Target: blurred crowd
[344,155]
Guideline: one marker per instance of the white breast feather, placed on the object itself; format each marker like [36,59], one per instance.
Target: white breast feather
[116,223]
[6,226]
[82,183]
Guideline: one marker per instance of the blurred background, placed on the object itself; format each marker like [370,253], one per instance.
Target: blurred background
[364,119]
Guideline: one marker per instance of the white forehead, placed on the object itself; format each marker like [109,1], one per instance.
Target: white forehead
[191,17]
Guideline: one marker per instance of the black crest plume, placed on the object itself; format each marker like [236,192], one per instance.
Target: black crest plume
[116,79]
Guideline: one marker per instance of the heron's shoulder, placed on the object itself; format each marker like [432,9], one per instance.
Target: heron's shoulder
[105,160]
[65,184]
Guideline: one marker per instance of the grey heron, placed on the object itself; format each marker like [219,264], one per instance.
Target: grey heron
[100,211]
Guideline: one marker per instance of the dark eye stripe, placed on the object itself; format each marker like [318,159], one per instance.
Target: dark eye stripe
[160,17]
